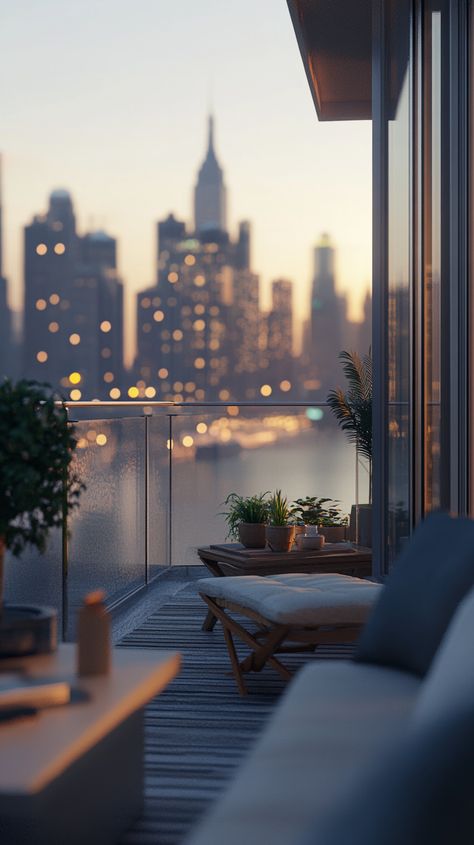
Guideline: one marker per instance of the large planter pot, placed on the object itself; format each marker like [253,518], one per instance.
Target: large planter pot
[333,533]
[252,535]
[28,629]
[361,525]
[280,537]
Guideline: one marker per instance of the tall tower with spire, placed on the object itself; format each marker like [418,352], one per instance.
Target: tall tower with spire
[210,191]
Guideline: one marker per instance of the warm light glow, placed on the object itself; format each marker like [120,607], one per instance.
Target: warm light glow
[141,384]
[74,339]
[146,302]
[41,304]
[42,357]
[75,378]
[54,299]
[53,327]
[150,392]
[163,372]
[82,443]
[190,387]
[91,435]
[226,435]
[178,386]
[177,334]
[201,428]
[59,249]
[105,326]
[101,440]
[106,352]
[173,277]
[200,394]
[108,377]
[233,410]
[41,249]
[199,325]
[199,363]
[158,316]
[224,395]
[266,390]
[199,281]
[133,392]
[190,260]
[114,393]
[199,309]
[75,395]
[285,385]
[188,441]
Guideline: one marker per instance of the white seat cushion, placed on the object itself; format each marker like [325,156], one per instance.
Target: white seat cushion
[298,599]
[335,717]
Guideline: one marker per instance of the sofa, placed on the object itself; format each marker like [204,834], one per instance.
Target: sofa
[378,750]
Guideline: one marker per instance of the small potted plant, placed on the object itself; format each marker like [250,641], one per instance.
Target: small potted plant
[323,515]
[333,524]
[246,519]
[280,532]
[37,490]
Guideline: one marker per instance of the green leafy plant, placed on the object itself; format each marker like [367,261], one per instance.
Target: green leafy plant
[37,486]
[353,408]
[318,511]
[279,512]
[247,509]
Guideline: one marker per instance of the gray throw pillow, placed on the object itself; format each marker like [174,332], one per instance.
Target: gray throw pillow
[431,577]
[418,793]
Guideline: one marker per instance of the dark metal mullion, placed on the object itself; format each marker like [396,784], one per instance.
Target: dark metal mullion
[418,297]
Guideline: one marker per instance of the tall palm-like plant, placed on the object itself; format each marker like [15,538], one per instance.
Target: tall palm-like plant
[353,408]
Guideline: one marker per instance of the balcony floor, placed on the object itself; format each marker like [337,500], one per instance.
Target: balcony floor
[199,729]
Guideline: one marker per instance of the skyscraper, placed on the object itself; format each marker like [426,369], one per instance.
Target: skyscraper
[210,192]
[7,363]
[280,332]
[328,334]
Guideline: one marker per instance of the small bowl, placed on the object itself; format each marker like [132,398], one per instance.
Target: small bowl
[309,543]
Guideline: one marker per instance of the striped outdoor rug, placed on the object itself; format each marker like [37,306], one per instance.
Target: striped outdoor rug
[199,729]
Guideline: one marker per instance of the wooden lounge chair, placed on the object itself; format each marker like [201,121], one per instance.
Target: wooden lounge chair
[293,612]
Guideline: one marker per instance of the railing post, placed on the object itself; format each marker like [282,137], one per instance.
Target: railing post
[170,490]
[147,499]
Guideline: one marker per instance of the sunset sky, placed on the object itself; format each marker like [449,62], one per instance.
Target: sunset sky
[109,99]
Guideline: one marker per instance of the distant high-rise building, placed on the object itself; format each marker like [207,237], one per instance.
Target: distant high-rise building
[7,351]
[73,305]
[210,192]
[280,332]
[329,323]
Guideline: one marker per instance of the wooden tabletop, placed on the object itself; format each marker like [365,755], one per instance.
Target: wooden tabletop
[35,750]
[234,559]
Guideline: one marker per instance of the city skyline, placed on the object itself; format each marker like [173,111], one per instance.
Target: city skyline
[129,150]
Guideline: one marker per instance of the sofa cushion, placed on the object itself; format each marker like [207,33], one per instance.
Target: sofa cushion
[333,718]
[418,792]
[432,575]
[450,681]
[296,598]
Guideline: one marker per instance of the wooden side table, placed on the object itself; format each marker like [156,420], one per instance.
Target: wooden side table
[233,559]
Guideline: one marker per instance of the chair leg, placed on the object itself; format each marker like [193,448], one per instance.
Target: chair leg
[209,622]
[234,661]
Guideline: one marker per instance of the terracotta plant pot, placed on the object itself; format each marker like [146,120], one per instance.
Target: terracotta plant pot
[280,537]
[252,535]
[333,533]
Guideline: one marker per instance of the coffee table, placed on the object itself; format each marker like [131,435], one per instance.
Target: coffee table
[234,559]
[74,774]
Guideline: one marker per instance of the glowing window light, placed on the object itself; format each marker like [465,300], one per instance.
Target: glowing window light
[53,327]
[266,390]
[199,325]
[158,316]
[199,363]
[59,249]
[108,377]
[150,392]
[188,441]
[114,393]
[199,281]
[141,384]
[82,443]
[54,299]
[162,372]
[233,410]
[178,397]
[285,385]
[74,339]
[41,304]
[75,378]
[156,301]
[91,435]
[41,249]
[190,260]
[177,334]
[133,392]
[146,302]
[200,394]
[199,309]
[42,356]
[105,326]
[201,428]
[165,348]
[190,387]
[224,395]
[101,439]
[214,344]
[173,278]
[106,352]
[57,226]
[178,386]
[75,395]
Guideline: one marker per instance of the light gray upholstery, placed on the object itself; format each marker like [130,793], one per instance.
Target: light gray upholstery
[298,599]
[334,718]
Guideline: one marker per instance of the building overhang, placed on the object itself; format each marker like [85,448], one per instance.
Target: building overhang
[335,41]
